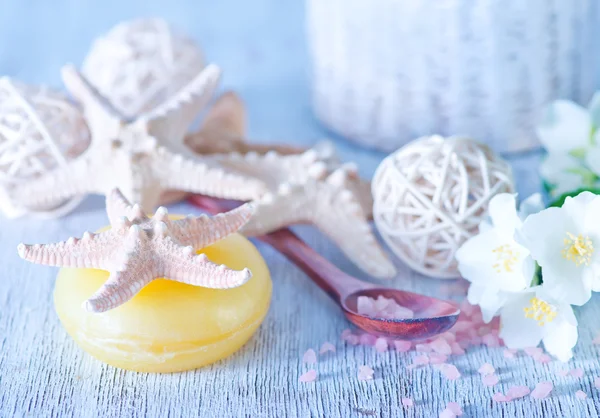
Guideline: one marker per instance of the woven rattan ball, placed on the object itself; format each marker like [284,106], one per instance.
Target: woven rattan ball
[39,131]
[431,195]
[139,64]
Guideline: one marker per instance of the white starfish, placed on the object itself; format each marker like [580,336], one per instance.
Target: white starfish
[137,250]
[312,188]
[142,157]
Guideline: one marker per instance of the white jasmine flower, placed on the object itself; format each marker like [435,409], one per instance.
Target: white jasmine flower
[532,316]
[570,134]
[493,261]
[565,242]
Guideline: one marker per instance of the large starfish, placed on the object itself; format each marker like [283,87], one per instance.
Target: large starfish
[137,250]
[312,188]
[142,157]
[223,131]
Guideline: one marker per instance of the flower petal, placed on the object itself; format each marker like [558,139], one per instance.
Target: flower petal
[564,126]
[560,338]
[518,331]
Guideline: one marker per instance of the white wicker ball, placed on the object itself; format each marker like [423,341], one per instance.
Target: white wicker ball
[139,64]
[431,195]
[39,130]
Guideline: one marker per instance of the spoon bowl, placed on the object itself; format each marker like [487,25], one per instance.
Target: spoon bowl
[432,316]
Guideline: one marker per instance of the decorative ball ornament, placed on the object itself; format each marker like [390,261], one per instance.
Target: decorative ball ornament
[139,64]
[39,131]
[431,195]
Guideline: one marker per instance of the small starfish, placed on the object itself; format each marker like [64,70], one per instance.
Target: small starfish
[137,250]
[142,157]
[224,131]
[313,188]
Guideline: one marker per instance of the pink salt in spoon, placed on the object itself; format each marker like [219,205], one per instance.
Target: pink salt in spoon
[431,316]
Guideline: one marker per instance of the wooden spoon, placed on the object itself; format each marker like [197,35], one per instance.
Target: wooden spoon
[431,316]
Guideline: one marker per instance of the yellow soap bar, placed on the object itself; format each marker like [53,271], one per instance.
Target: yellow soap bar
[169,326]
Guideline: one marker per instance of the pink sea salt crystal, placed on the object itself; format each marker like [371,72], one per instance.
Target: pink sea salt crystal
[346,333]
[457,350]
[402,346]
[381,345]
[367,339]
[542,390]
[436,358]
[500,397]
[510,353]
[490,380]
[421,360]
[516,392]
[533,351]
[327,346]
[543,358]
[364,305]
[309,357]
[597,382]
[441,346]
[423,348]
[467,309]
[486,368]
[455,408]
[581,395]
[447,413]
[353,340]
[578,373]
[365,373]
[491,340]
[407,402]
[309,376]
[449,371]
[382,307]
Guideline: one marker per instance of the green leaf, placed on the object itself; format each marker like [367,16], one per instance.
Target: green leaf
[561,199]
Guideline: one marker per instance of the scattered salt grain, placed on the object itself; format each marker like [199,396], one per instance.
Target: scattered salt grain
[500,397]
[446,413]
[533,351]
[309,376]
[581,395]
[382,307]
[455,408]
[381,345]
[543,358]
[510,353]
[327,346]
[542,390]
[490,380]
[365,373]
[402,346]
[346,333]
[578,373]
[486,368]
[423,348]
[367,339]
[449,371]
[310,357]
[441,346]
[435,358]
[597,382]
[516,392]
[421,360]
[407,402]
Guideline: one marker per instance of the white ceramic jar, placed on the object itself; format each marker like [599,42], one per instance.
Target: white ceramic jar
[387,71]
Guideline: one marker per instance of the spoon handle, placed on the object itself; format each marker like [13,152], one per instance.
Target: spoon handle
[327,276]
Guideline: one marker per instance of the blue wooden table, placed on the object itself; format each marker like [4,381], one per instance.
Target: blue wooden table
[260,45]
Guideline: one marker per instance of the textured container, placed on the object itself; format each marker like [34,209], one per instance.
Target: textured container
[388,71]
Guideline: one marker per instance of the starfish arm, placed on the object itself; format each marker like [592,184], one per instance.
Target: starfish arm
[117,206]
[101,115]
[58,185]
[120,287]
[276,211]
[91,251]
[170,121]
[202,175]
[342,219]
[204,230]
[182,264]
